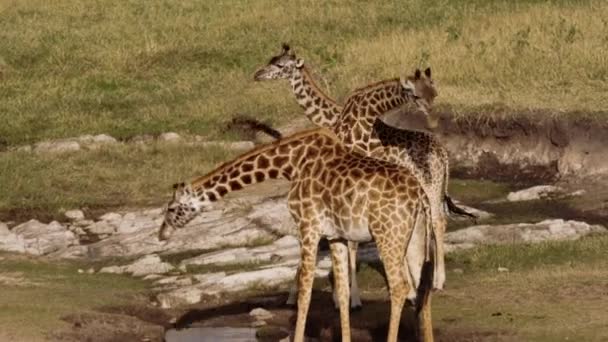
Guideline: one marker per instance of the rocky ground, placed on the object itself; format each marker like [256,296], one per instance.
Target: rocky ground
[245,243]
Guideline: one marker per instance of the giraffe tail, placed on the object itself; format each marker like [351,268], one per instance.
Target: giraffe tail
[254,125]
[456,210]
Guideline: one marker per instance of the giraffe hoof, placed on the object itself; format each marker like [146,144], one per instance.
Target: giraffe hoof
[356,308]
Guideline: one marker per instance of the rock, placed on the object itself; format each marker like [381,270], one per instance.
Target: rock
[535,193]
[147,265]
[142,139]
[86,139]
[41,239]
[481,215]
[228,145]
[57,146]
[9,241]
[258,324]
[104,139]
[174,280]
[503,269]
[100,228]
[113,269]
[111,217]
[170,137]
[82,223]
[285,248]
[547,230]
[261,314]
[24,148]
[74,215]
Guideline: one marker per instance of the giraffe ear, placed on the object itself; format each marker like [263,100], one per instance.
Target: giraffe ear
[417,74]
[175,185]
[299,63]
[408,86]
[427,72]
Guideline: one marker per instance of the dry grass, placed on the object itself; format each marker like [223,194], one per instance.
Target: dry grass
[71,67]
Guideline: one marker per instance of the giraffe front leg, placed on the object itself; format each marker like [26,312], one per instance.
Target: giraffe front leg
[308,252]
[339,256]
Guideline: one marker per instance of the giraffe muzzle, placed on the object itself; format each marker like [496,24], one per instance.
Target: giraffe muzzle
[165,232]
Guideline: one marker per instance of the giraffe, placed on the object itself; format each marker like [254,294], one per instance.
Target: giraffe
[334,194]
[363,131]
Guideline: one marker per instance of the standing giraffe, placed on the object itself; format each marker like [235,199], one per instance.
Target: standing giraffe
[334,194]
[361,130]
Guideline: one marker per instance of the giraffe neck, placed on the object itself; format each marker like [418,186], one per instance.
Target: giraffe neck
[319,108]
[282,159]
[377,99]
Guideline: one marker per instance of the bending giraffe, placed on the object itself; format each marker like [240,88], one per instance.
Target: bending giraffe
[358,125]
[334,194]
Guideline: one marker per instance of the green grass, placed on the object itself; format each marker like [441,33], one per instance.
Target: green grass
[72,67]
[553,291]
[118,176]
[46,291]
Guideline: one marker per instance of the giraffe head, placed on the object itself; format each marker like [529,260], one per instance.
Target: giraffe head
[184,206]
[422,89]
[280,66]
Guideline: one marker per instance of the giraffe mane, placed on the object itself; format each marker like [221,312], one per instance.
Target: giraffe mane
[373,86]
[306,72]
[260,149]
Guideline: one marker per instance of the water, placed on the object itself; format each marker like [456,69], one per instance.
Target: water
[211,334]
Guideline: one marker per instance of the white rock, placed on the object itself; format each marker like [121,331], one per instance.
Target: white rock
[86,138]
[178,297]
[147,265]
[74,215]
[41,239]
[112,269]
[24,148]
[57,146]
[261,314]
[111,217]
[503,269]
[228,145]
[104,139]
[9,241]
[547,230]
[534,193]
[100,228]
[170,137]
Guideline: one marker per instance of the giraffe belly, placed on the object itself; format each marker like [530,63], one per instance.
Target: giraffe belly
[351,231]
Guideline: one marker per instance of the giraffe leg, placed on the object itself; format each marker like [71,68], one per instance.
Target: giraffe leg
[339,256]
[392,250]
[355,299]
[439,227]
[309,245]
[424,329]
[425,324]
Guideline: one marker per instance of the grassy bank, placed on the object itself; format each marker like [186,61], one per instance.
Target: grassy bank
[552,291]
[42,186]
[37,294]
[126,68]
